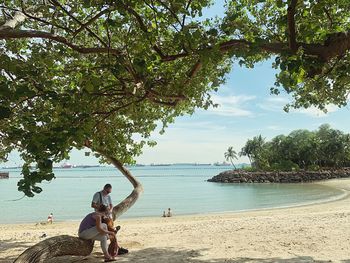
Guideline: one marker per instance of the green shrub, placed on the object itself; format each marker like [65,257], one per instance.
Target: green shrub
[284,165]
[249,169]
[313,167]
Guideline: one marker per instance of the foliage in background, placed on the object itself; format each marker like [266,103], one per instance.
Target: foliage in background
[301,149]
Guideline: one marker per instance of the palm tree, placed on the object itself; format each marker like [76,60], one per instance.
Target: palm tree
[230,155]
[254,149]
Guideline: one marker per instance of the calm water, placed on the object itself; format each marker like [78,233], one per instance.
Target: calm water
[183,188]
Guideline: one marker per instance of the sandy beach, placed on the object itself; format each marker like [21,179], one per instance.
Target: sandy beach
[311,233]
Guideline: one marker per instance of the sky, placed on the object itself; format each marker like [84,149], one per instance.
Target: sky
[246,110]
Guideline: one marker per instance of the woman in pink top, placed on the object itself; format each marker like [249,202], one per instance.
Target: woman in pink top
[91,227]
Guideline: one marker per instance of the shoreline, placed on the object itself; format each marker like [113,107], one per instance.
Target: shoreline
[289,234]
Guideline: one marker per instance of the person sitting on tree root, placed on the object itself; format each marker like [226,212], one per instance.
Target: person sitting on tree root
[92,228]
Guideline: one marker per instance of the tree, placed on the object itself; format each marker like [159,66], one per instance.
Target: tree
[255,150]
[301,147]
[102,74]
[276,149]
[333,146]
[230,155]
[247,150]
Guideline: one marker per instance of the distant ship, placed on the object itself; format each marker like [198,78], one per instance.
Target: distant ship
[4,175]
[222,164]
[88,166]
[66,165]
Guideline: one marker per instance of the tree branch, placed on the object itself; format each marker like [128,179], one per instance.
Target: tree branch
[11,34]
[138,18]
[93,19]
[291,25]
[153,93]
[19,17]
[25,12]
[328,16]
[143,28]
[171,12]
[337,44]
[80,23]
[184,16]
[194,71]
[166,103]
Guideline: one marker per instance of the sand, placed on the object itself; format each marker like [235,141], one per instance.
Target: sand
[312,233]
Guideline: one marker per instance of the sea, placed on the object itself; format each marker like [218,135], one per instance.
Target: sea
[183,188]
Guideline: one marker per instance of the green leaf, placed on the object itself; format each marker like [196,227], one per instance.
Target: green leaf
[5,112]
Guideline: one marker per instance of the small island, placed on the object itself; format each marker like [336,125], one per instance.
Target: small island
[302,176]
[301,156]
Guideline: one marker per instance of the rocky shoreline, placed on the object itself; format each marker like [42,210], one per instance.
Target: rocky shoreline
[242,176]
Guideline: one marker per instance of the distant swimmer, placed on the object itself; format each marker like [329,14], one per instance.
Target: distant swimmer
[50,218]
[164,215]
[169,214]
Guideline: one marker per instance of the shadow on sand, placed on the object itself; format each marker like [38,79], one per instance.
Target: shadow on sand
[7,245]
[172,255]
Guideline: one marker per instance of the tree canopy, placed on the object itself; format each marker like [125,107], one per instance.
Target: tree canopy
[325,147]
[104,73]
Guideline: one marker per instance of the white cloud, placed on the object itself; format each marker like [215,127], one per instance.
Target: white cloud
[196,125]
[274,104]
[279,99]
[277,103]
[274,128]
[231,105]
[315,112]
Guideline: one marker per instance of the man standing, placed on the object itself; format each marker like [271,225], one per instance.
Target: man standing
[103,198]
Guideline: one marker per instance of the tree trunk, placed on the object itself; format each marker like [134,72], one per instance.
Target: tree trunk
[68,245]
[124,205]
[55,247]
